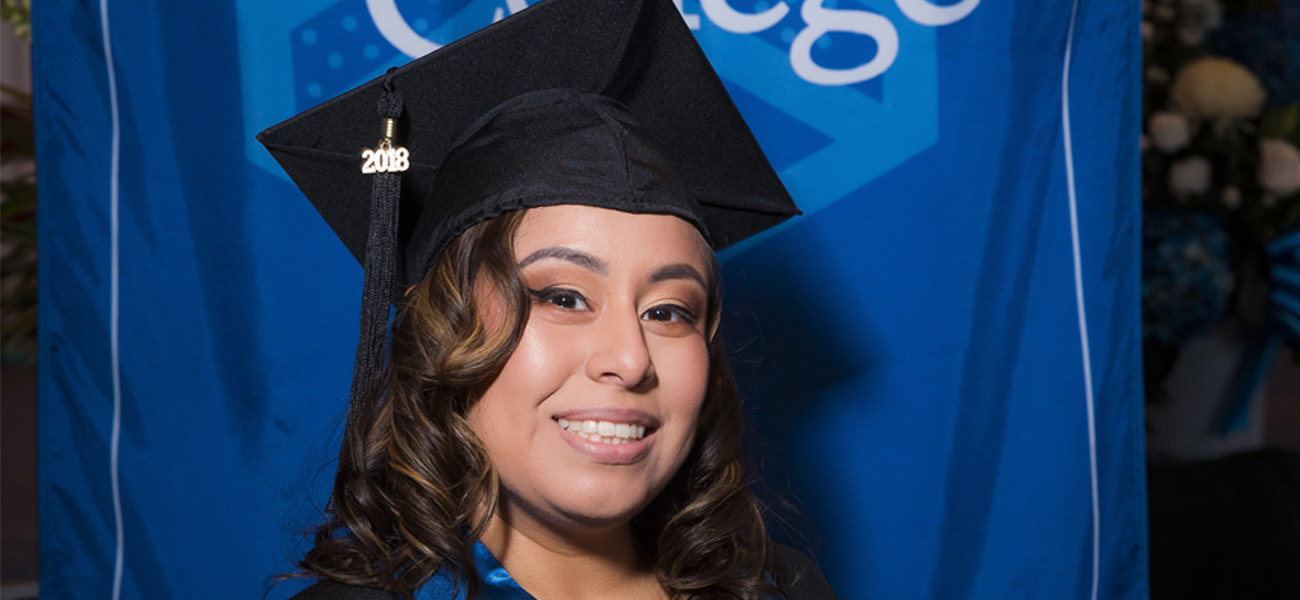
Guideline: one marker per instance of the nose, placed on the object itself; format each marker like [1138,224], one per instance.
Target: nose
[619,354]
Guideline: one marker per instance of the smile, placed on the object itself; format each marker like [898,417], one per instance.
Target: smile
[604,432]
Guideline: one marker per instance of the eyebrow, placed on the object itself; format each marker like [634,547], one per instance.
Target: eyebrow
[591,263]
[577,257]
[678,271]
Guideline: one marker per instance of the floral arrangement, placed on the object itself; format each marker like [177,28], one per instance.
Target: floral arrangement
[1220,166]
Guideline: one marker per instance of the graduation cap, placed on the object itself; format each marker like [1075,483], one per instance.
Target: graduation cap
[607,103]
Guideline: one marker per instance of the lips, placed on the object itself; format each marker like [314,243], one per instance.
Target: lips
[611,436]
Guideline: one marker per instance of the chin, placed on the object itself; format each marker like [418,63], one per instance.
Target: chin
[599,506]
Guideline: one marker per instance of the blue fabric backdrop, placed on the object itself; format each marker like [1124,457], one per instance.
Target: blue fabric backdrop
[945,386]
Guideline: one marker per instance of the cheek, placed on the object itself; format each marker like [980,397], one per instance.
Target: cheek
[541,361]
[692,361]
[532,373]
[684,374]
[697,372]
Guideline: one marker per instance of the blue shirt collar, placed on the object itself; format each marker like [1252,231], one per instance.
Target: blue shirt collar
[494,582]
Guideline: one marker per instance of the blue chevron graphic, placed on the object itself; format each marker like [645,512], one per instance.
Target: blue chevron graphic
[825,141]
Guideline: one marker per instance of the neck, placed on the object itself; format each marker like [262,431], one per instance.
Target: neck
[576,563]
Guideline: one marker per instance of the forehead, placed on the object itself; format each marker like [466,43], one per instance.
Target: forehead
[612,235]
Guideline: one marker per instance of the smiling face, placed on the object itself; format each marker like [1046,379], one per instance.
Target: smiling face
[597,407]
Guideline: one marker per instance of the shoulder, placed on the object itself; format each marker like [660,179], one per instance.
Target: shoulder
[798,575]
[333,590]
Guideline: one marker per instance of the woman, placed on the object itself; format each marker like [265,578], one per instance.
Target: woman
[555,418]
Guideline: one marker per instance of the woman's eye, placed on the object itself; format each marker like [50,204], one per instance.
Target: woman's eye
[561,298]
[669,313]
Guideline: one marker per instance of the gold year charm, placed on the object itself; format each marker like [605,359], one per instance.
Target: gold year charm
[387,158]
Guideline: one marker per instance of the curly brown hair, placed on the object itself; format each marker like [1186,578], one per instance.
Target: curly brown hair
[415,487]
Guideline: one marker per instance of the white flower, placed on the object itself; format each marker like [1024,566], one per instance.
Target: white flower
[1157,75]
[1231,197]
[1189,177]
[1164,13]
[1170,131]
[1143,142]
[1148,30]
[1279,167]
[1218,89]
[1191,37]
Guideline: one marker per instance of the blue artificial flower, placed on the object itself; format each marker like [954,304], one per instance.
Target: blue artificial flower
[1187,275]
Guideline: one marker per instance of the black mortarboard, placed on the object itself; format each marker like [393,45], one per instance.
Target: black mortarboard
[608,103]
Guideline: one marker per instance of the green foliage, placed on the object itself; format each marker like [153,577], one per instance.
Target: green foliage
[18,14]
[18,227]
[1282,123]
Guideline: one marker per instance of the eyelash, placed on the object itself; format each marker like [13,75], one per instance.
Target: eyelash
[686,316]
[553,295]
[556,296]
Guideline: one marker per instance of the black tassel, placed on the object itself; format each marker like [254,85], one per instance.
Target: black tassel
[380,264]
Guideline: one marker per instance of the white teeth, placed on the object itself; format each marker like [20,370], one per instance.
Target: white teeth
[604,432]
